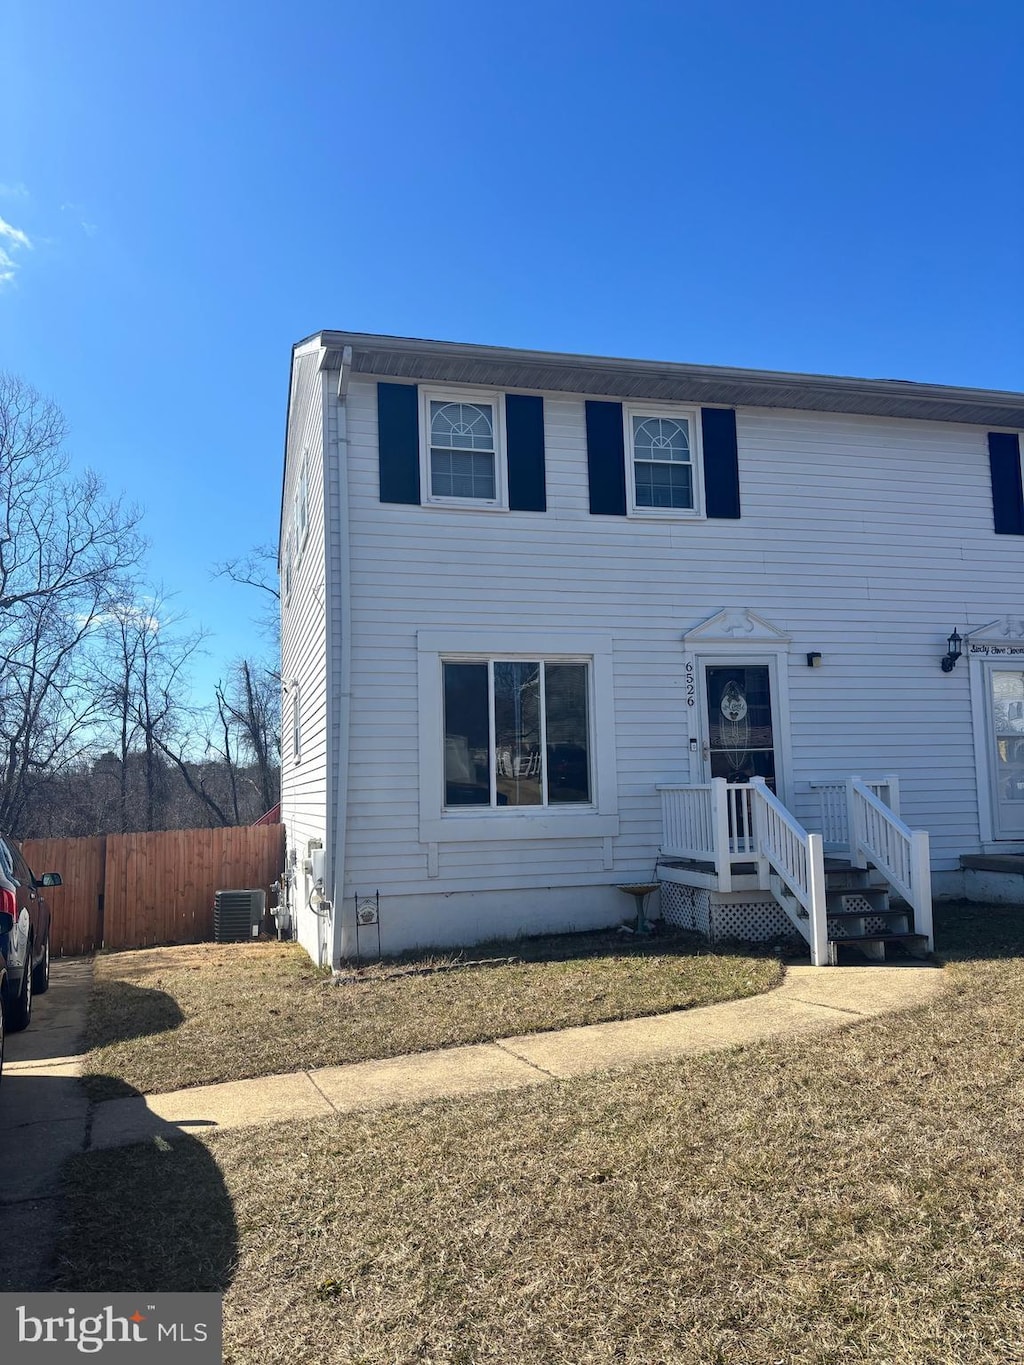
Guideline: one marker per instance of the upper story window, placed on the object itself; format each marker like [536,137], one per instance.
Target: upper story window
[288,566]
[462,456]
[662,464]
[301,510]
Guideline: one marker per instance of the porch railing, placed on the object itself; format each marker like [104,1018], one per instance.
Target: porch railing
[878,836]
[711,822]
[727,824]
[797,858]
[834,807]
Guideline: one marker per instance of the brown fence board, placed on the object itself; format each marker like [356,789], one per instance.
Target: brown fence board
[160,887]
[77,923]
[140,890]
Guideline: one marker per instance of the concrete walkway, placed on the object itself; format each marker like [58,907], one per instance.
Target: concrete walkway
[810,1000]
[44,1116]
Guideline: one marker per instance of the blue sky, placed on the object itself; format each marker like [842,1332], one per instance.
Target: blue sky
[189,188]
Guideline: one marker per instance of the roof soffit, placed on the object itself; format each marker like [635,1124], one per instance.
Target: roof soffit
[402,358]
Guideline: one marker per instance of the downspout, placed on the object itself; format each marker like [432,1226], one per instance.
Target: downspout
[340,686]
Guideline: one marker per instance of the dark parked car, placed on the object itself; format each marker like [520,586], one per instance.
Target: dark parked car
[24,934]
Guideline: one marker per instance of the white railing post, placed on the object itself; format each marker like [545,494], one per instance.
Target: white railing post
[817,908]
[921,881]
[720,825]
[892,781]
[759,812]
[853,824]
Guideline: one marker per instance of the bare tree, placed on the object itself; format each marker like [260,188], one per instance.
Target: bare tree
[258,569]
[145,687]
[65,549]
[251,699]
[250,705]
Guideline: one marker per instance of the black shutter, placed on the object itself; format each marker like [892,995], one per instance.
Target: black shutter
[721,463]
[1007,493]
[398,442]
[524,436]
[606,459]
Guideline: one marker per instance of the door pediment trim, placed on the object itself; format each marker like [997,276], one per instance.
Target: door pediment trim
[736,626]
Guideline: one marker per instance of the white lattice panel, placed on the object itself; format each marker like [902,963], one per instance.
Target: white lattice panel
[873,924]
[686,907]
[750,921]
[753,921]
[856,904]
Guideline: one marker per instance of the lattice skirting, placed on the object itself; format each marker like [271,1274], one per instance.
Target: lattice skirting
[750,921]
[686,907]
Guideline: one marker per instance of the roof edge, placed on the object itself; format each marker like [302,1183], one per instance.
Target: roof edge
[335,341]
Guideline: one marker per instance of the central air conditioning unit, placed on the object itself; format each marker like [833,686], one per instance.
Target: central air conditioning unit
[237,915]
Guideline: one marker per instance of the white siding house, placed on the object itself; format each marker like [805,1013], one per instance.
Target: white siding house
[545,617]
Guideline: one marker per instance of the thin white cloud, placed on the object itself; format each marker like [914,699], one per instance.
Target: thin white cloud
[17,190]
[12,240]
[122,615]
[88,227]
[15,235]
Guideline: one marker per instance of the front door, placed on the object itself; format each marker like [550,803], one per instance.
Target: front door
[740,736]
[1006,730]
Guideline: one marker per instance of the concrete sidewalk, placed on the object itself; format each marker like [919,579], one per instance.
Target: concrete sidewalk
[44,1114]
[810,1000]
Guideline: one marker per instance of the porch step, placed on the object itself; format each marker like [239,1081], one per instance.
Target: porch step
[853,900]
[867,914]
[868,901]
[873,945]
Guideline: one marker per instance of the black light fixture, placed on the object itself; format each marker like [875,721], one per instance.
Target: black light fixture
[954,650]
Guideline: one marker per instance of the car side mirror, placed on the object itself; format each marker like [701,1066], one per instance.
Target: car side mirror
[51,879]
[6,921]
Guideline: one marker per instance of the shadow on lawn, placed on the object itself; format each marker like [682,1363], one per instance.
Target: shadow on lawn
[119,1011]
[156,1216]
[968,932]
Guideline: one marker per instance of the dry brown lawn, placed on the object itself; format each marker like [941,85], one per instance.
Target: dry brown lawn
[857,1197]
[165,1018]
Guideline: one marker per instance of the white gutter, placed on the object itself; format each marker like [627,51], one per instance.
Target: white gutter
[339,688]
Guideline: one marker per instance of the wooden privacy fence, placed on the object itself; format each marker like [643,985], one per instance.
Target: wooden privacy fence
[138,890]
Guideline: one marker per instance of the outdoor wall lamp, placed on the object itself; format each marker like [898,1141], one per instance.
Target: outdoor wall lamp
[955,649]
[814,660]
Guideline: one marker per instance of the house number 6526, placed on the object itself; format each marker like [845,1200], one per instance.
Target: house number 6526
[691,687]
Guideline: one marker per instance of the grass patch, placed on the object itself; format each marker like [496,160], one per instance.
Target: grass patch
[853,1198]
[166,1018]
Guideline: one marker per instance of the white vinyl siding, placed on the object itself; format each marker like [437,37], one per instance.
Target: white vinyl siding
[863,538]
[303,633]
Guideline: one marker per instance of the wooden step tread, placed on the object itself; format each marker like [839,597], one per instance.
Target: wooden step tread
[865,914]
[878,938]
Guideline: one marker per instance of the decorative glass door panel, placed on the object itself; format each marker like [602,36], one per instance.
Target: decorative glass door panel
[1006,710]
[740,734]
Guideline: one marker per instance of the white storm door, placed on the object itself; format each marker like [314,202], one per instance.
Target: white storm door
[740,719]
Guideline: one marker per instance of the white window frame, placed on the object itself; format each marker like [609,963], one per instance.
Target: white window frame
[496,400]
[630,411]
[598,819]
[300,508]
[288,568]
[296,724]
